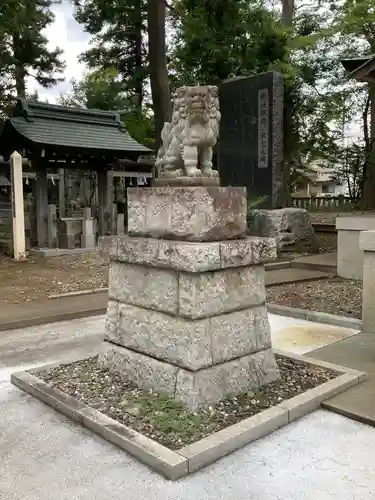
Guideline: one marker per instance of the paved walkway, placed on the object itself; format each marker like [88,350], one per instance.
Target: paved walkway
[291,275]
[325,262]
[359,353]
[44,456]
[46,311]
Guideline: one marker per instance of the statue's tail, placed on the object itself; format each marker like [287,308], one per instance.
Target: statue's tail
[165,139]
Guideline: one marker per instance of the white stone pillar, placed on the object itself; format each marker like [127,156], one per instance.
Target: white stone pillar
[18,213]
[367,244]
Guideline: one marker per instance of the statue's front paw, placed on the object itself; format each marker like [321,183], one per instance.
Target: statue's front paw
[193,172]
[173,173]
[208,172]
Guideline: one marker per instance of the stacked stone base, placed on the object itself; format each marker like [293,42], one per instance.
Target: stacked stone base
[188,317]
[193,388]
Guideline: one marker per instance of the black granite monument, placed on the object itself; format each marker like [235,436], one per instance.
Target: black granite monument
[250,149]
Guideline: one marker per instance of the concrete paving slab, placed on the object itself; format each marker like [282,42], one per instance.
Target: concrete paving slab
[358,353]
[47,311]
[50,341]
[300,336]
[326,262]
[357,403]
[315,316]
[290,275]
[44,456]
[355,352]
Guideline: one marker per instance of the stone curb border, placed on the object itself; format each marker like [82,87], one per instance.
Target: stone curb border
[175,465]
[318,317]
[77,293]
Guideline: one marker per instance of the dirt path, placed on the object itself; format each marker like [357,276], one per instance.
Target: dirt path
[38,278]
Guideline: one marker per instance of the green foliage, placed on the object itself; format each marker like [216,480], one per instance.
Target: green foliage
[213,40]
[118,29]
[99,89]
[172,419]
[141,127]
[254,203]
[218,39]
[23,47]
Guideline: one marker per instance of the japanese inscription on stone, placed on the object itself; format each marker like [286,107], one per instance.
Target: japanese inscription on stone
[263,108]
[250,150]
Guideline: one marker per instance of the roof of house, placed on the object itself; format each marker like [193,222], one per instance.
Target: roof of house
[52,125]
[361,68]
[4,181]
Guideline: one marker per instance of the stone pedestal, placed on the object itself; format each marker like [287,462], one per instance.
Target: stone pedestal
[186,312]
[349,251]
[70,230]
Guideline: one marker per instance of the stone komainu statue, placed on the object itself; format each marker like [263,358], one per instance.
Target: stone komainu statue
[188,141]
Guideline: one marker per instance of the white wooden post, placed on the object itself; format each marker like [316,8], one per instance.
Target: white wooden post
[18,214]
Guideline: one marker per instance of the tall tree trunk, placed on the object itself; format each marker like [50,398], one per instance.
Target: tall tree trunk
[367,201]
[138,86]
[138,56]
[158,65]
[288,136]
[19,70]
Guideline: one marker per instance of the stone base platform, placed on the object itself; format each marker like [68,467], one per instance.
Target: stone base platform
[192,344]
[194,389]
[186,312]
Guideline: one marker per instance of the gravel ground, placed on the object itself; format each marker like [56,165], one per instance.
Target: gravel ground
[331,295]
[327,242]
[166,421]
[330,217]
[37,277]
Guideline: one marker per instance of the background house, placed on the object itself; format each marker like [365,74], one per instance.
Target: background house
[318,180]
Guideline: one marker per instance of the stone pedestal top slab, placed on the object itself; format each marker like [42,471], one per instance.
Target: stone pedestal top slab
[200,213]
[189,256]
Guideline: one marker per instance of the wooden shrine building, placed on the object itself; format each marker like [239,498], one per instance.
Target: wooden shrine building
[55,138]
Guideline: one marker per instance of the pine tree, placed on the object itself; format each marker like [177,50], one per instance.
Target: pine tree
[217,39]
[156,18]
[24,51]
[118,30]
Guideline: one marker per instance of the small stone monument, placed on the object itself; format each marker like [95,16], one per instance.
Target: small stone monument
[250,151]
[186,313]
